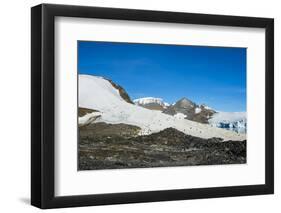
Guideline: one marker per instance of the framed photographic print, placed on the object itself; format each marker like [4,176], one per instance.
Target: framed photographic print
[140,106]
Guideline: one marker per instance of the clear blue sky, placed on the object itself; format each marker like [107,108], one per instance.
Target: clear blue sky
[215,76]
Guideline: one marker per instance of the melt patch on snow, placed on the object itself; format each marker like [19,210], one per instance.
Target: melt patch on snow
[98,94]
[197,110]
[180,115]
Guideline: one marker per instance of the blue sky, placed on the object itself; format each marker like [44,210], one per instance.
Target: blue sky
[215,76]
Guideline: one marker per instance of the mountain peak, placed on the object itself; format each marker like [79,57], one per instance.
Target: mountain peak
[184,99]
[184,102]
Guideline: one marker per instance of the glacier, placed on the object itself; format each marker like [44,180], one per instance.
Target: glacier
[234,121]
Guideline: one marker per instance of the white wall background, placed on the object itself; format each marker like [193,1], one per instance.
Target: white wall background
[15,105]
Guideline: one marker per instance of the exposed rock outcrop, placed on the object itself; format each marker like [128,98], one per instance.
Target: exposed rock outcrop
[169,147]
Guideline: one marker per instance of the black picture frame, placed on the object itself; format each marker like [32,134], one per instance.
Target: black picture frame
[43,111]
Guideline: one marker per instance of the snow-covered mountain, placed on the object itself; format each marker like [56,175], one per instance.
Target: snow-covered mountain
[151,103]
[100,95]
[235,121]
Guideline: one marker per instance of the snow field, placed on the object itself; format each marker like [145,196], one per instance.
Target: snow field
[98,93]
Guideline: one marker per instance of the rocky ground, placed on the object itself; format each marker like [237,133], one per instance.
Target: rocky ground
[108,146]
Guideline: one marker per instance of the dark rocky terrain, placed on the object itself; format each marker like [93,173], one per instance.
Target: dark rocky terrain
[108,146]
[103,130]
[204,115]
[83,111]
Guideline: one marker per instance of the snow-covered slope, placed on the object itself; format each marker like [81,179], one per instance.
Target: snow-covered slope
[98,94]
[236,121]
